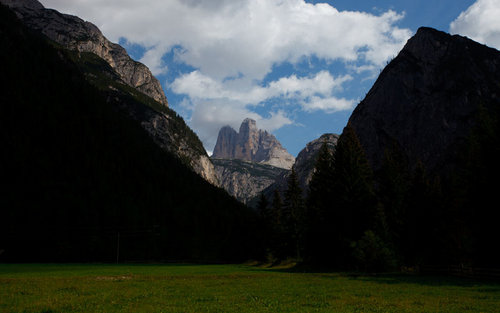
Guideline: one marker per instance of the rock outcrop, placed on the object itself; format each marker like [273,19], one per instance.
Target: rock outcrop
[245,180]
[76,34]
[306,159]
[128,84]
[303,166]
[428,99]
[251,144]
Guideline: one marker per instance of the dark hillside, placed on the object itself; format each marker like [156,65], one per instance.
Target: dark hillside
[82,181]
[427,100]
[430,129]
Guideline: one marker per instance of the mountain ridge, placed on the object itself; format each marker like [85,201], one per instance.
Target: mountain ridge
[78,170]
[76,34]
[120,77]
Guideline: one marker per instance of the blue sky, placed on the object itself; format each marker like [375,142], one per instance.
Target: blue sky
[298,67]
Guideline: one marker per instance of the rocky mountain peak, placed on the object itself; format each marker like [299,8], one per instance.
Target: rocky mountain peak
[251,144]
[248,125]
[89,47]
[427,100]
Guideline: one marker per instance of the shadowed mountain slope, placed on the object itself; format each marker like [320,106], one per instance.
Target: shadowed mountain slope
[79,172]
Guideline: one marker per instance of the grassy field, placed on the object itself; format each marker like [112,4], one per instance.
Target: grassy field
[230,288]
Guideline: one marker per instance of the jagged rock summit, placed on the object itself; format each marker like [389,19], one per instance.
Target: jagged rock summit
[251,144]
[428,99]
[76,34]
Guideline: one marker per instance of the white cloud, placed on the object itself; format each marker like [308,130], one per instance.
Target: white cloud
[480,22]
[153,59]
[228,38]
[215,104]
[233,46]
[329,104]
[199,86]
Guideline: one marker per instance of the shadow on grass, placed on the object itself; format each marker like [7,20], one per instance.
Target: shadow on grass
[392,278]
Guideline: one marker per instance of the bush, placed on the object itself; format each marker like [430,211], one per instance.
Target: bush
[372,254]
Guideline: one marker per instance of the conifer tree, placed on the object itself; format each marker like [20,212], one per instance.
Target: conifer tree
[263,208]
[319,208]
[294,212]
[277,209]
[279,239]
[355,208]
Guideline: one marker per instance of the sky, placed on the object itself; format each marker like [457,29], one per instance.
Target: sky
[297,67]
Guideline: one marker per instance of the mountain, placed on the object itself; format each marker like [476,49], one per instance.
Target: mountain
[76,34]
[427,101]
[108,66]
[251,144]
[303,166]
[245,180]
[306,159]
[249,161]
[78,171]
[430,127]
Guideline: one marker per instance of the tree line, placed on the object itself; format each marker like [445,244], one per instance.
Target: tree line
[356,219]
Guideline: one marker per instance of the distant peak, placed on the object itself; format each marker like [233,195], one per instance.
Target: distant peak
[251,144]
[249,122]
[248,125]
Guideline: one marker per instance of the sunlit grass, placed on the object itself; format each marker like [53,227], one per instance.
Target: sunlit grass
[231,288]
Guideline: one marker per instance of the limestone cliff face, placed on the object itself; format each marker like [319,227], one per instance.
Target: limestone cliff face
[75,34]
[129,85]
[253,145]
[428,99]
[245,180]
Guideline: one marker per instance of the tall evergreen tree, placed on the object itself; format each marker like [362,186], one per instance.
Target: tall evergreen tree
[265,236]
[355,209]
[279,240]
[353,185]
[277,209]
[319,208]
[294,211]
[263,207]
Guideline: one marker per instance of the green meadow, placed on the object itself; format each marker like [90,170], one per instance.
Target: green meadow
[231,288]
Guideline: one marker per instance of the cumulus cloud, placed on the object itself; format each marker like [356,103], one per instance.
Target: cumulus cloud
[215,103]
[226,38]
[328,104]
[234,45]
[480,22]
[199,86]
